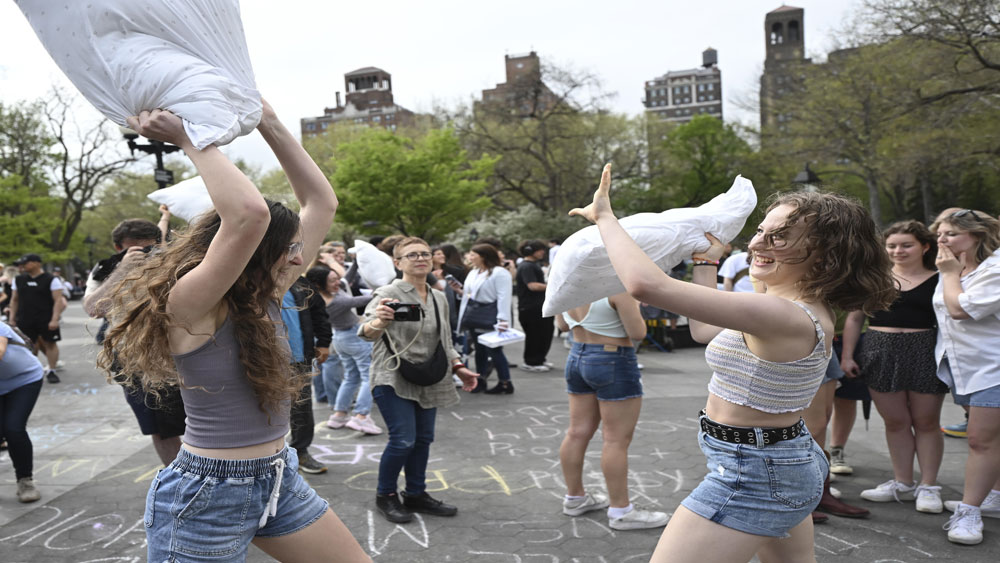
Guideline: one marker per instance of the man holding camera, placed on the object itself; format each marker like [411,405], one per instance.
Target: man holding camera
[162,419]
[36,305]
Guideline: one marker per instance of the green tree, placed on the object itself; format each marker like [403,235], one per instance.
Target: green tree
[553,136]
[27,220]
[692,163]
[424,187]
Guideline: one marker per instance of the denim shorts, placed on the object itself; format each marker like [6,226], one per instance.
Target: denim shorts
[612,372]
[765,490]
[205,509]
[989,397]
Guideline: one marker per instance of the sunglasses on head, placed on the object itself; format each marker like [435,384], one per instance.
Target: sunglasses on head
[964,212]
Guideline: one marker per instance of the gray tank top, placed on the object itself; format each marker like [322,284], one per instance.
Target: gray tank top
[222,409]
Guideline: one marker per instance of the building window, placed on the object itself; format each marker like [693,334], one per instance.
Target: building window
[710,86]
[793,30]
[777,34]
[377,118]
[324,125]
[310,126]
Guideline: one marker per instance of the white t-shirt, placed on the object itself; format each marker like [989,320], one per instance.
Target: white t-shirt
[737,262]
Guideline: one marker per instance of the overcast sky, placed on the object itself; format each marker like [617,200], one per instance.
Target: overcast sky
[444,52]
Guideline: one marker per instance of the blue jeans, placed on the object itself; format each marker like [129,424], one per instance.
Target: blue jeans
[328,383]
[411,431]
[15,408]
[496,354]
[206,509]
[355,360]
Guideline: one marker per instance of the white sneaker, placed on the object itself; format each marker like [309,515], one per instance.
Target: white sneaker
[639,366]
[887,491]
[595,501]
[338,421]
[990,507]
[835,492]
[549,365]
[366,425]
[965,526]
[929,499]
[838,466]
[536,369]
[638,519]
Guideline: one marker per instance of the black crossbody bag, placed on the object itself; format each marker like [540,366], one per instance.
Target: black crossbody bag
[428,372]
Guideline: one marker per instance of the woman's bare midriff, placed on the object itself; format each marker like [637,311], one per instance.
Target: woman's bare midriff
[731,414]
[584,336]
[897,330]
[267,449]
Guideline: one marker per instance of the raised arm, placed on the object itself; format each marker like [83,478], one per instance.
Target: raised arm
[243,211]
[318,203]
[761,315]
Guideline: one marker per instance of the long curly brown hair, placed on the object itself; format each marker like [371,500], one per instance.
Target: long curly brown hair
[852,270]
[136,341]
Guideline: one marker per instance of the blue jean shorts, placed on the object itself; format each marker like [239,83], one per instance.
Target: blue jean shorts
[989,397]
[205,509]
[612,372]
[765,490]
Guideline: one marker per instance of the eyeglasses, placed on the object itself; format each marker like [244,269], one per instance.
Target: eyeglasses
[295,248]
[417,255]
[965,212]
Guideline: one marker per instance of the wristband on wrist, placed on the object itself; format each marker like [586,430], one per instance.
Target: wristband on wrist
[701,262]
[456,367]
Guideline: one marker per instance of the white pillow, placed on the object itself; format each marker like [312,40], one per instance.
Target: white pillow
[581,272]
[187,199]
[374,266]
[188,56]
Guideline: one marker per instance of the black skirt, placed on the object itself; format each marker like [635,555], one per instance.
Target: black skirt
[902,361]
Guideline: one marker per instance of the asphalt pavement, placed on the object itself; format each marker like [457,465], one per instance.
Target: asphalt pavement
[495,457]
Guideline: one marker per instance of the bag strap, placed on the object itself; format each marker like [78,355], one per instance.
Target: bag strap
[437,326]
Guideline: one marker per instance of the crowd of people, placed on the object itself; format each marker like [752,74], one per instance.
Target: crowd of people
[224,334]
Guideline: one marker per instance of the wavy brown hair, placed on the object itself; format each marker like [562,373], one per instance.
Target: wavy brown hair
[137,338]
[919,231]
[852,270]
[983,227]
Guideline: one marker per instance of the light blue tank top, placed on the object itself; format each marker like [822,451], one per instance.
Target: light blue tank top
[601,319]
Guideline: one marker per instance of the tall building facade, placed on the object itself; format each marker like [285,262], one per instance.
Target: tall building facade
[784,36]
[679,95]
[368,101]
[524,94]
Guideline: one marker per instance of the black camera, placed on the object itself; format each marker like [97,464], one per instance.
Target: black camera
[104,268]
[405,311]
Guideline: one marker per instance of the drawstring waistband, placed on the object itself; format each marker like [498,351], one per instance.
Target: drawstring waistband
[272,500]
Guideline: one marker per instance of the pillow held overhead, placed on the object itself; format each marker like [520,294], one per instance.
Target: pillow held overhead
[187,56]
[187,199]
[582,272]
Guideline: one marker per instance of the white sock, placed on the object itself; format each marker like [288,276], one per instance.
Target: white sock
[571,498]
[619,512]
[962,505]
[994,492]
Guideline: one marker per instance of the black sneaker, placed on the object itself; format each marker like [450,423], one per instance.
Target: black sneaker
[425,504]
[390,507]
[307,464]
[51,377]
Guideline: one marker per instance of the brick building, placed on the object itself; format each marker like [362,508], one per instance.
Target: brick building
[679,95]
[524,93]
[368,101]
[784,36]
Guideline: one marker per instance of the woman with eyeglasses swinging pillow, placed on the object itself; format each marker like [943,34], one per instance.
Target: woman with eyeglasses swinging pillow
[412,360]
[769,352]
[967,306]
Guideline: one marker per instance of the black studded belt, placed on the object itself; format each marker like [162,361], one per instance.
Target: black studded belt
[737,435]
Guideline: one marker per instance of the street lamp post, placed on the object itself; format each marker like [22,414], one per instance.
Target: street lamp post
[807,180]
[162,176]
[90,242]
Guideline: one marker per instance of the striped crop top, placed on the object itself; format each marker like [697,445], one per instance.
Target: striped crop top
[741,377]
